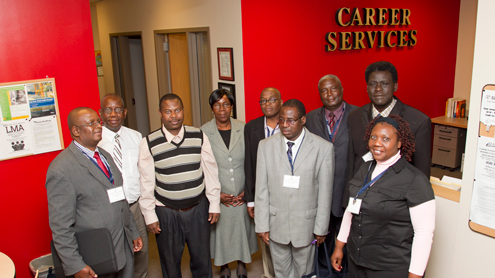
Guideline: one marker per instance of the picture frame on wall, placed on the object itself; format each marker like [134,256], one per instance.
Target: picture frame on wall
[231,89]
[225,63]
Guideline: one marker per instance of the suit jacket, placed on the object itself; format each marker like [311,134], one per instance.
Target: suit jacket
[227,159]
[316,123]
[420,126]
[78,201]
[254,132]
[294,215]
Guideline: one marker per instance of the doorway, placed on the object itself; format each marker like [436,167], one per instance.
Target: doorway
[129,78]
[184,68]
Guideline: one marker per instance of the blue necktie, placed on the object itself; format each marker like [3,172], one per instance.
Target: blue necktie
[289,154]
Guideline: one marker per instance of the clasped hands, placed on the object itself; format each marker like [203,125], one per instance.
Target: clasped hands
[229,199]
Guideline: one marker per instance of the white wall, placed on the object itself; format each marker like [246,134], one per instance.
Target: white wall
[222,16]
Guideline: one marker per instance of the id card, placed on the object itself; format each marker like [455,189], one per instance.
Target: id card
[116,194]
[367,157]
[354,207]
[291,181]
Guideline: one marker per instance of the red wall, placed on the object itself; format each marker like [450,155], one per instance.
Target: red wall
[284,47]
[41,38]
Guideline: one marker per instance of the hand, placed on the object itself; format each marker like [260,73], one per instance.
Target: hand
[250,211]
[86,272]
[239,199]
[213,218]
[338,254]
[226,199]
[138,244]
[265,237]
[154,228]
[411,275]
[320,239]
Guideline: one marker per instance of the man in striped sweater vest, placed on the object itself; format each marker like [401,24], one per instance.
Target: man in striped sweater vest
[180,191]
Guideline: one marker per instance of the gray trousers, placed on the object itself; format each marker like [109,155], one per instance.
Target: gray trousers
[290,261]
[141,258]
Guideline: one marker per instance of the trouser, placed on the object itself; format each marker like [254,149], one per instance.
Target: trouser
[356,271]
[266,257]
[290,261]
[180,227]
[141,258]
[128,270]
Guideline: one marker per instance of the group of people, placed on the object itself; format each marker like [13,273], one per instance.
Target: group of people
[354,180]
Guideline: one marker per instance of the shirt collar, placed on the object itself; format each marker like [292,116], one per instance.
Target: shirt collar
[385,112]
[338,112]
[170,137]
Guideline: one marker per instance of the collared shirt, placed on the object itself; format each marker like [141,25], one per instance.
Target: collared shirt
[385,111]
[271,131]
[90,154]
[129,141]
[297,144]
[146,166]
[338,115]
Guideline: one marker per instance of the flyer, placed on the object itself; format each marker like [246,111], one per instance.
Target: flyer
[16,139]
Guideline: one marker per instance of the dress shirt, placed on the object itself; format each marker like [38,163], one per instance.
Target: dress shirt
[385,111]
[146,166]
[129,140]
[338,115]
[271,131]
[91,155]
[297,145]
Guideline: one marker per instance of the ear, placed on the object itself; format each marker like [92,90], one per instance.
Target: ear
[399,144]
[75,131]
[303,120]
[125,112]
[396,86]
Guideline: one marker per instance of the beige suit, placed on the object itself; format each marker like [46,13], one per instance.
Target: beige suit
[293,216]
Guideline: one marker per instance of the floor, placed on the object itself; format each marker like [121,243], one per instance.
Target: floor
[255,269]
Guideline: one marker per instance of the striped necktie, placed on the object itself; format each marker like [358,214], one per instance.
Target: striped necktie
[331,123]
[289,154]
[117,152]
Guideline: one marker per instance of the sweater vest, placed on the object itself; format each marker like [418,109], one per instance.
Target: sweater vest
[178,174]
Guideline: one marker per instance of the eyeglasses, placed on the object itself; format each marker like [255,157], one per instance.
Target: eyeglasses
[217,106]
[93,124]
[109,110]
[272,100]
[281,121]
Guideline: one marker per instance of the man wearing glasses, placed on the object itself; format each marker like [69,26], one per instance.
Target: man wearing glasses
[123,144]
[294,180]
[255,131]
[84,190]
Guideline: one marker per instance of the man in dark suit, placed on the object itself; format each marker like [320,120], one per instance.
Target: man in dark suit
[330,123]
[382,78]
[84,190]
[255,131]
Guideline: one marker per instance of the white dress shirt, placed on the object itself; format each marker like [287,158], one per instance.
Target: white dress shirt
[129,140]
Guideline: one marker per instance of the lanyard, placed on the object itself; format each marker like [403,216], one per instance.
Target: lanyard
[292,162]
[268,134]
[366,185]
[108,168]
[331,133]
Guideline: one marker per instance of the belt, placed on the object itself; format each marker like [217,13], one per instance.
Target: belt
[184,209]
[131,204]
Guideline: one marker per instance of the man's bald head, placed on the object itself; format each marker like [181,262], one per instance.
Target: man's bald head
[112,96]
[73,117]
[275,91]
[85,127]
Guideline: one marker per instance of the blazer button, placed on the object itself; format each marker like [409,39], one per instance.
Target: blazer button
[231,170]
[230,158]
[232,179]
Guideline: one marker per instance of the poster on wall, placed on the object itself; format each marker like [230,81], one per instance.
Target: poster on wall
[482,214]
[30,121]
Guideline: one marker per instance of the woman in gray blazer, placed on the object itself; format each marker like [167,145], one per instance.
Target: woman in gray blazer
[233,237]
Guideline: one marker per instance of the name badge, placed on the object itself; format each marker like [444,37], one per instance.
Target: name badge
[367,157]
[116,194]
[291,181]
[354,207]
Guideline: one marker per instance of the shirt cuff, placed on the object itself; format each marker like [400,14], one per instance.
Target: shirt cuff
[250,204]
[150,217]
[214,208]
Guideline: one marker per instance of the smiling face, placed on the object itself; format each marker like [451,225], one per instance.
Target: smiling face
[87,129]
[381,89]
[331,93]
[222,109]
[291,131]
[114,119]
[384,142]
[172,115]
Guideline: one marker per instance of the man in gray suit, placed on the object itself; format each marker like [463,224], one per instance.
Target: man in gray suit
[330,123]
[294,179]
[84,190]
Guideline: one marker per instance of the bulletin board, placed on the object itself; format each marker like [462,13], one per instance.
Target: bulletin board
[482,214]
[30,119]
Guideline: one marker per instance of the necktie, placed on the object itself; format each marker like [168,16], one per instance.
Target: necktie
[289,154]
[100,163]
[331,123]
[117,152]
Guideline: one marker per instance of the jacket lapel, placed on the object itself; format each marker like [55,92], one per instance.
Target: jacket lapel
[343,122]
[304,149]
[215,137]
[322,123]
[235,134]
[282,151]
[92,168]
[260,128]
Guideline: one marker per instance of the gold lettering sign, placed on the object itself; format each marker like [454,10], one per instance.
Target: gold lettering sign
[346,17]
